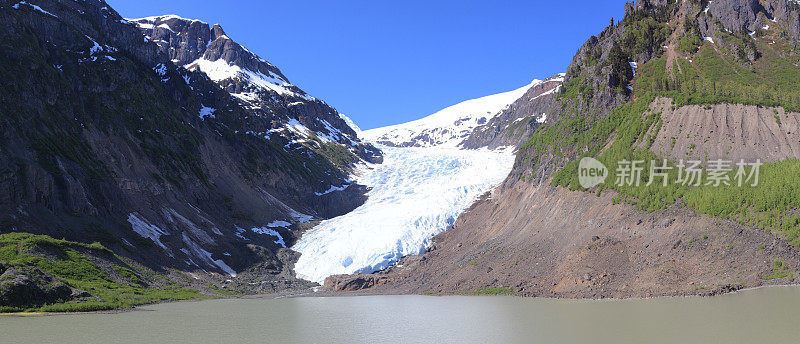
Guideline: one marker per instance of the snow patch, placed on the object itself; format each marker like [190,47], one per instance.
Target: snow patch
[300,217]
[37,8]
[198,252]
[144,22]
[299,129]
[279,223]
[705,10]
[220,70]
[160,69]
[176,218]
[206,111]
[294,214]
[147,230]
[239,232]
[334,135]
[165,26]
[332,189]
[246,96]
[517,120]
[554,90]
[272,232]
[351,124]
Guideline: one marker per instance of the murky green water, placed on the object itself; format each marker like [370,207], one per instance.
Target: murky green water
[770,315]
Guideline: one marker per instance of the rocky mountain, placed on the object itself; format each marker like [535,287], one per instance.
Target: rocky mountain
[512,125]
[155,168]
[258,86]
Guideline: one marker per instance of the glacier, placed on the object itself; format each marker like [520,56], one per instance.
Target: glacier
[415,194]
[424,183]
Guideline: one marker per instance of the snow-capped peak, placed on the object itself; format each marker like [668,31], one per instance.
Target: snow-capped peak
[259,86]
[196,45]
[447,127]
[162,17]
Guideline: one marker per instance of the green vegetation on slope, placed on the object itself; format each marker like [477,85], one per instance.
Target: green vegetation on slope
[69,262]
[490,291]
[713,78]
[778,270]
[627,132]
[644,35]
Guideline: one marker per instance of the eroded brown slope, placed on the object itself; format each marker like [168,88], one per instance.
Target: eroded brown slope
[547,241]
[726,131]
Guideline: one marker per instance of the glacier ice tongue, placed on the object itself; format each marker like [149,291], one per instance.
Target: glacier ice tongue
[415,194]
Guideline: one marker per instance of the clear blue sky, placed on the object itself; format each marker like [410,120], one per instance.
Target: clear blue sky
[387,62]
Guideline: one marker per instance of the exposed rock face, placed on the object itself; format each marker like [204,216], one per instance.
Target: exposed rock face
[597,48]
[735,14]
[184,48]
[26,286]
[187,40]
[595,90]
[515,123]
[748,15]
[353,282]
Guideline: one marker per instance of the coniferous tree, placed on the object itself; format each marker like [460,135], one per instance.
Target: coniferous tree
[621,72]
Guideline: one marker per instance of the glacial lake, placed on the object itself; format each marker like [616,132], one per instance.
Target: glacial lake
[767,315]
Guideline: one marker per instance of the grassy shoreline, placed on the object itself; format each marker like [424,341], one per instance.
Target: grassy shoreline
[99,279]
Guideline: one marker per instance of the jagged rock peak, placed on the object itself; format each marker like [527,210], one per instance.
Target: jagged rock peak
[218,32]
[186,41]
